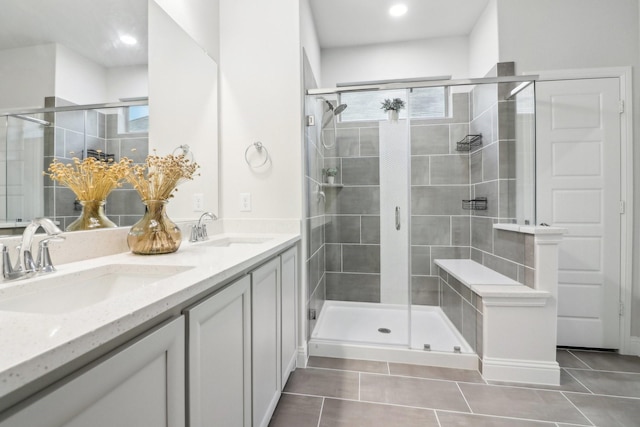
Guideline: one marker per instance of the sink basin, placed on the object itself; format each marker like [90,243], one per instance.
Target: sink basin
[235,241]
[57,294]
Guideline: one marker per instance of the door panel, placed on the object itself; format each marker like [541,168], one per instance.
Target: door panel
[578,187]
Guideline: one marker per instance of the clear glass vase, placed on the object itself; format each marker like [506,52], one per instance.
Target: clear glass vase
[92,217]
[155,233]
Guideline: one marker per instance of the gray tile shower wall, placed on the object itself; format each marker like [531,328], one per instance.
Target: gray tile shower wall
[73,133]
[318,254]
[464,308]
[352,229]
[492,174]
[440,180]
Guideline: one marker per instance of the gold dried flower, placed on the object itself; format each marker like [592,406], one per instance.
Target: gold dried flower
[158,177]
[89,179]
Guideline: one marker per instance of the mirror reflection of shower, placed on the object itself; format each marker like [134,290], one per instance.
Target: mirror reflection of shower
[330,112]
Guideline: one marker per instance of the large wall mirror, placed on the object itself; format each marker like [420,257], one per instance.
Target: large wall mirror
[71,53]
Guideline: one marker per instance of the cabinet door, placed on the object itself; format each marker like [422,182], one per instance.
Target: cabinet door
[288,266]
[265,320]
[219,358]
[140,385]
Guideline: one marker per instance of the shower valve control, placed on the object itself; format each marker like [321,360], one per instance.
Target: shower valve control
[311,120]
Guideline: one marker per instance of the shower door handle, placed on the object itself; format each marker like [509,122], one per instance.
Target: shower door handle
[397,217]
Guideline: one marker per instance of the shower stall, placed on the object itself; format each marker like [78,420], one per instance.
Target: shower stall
[31,139]
[427,186]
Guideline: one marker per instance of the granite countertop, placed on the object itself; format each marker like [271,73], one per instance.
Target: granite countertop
[34,344]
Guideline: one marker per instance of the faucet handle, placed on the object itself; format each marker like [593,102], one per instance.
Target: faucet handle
[194,233]
[44,263]
[7,268]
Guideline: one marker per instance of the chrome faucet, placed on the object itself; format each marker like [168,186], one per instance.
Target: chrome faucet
[25,265]
[199,232]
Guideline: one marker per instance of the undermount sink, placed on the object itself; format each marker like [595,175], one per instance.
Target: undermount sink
[57,294]
[235,241]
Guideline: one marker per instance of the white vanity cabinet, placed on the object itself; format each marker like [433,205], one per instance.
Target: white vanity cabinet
[266,341]
[219,358]
[289,294]
[140,385]
[242,347]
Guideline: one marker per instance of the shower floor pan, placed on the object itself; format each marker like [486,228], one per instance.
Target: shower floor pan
[369,331]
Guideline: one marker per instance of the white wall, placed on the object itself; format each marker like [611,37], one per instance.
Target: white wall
[483,42]
[552,34]
[200,19]
[79,79]
[183,91]
[127,82]
[260,89]
[420,58]
[571,34]
[27,76]
[309,39]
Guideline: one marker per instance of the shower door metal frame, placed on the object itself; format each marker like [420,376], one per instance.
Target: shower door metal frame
[421,84]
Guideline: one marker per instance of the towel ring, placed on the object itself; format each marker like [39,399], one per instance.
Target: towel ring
[259,147]
[184,150]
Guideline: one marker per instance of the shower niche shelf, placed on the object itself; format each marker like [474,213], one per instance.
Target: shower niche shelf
[325,185]
[477,204]
[469,142]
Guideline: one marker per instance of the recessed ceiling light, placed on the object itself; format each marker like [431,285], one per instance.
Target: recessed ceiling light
[398,10]
[127,39]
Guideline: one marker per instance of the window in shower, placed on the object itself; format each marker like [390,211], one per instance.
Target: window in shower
[137,120]
[426,103]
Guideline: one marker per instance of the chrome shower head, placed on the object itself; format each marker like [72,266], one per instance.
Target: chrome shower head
[332,108]
[339,109]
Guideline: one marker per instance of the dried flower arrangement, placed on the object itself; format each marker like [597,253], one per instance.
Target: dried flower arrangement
[155,181]
[89,179]
[158,177]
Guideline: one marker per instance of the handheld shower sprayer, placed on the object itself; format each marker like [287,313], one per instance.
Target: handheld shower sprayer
[331,113]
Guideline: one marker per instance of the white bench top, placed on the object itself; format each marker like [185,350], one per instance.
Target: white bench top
[487,282]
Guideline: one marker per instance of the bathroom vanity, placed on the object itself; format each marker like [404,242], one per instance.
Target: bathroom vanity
[210,341]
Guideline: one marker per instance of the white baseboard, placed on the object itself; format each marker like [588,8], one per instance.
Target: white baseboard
[302,357]
[521,371]
[633,348]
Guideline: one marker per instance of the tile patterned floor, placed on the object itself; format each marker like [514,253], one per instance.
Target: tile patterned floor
[597,389]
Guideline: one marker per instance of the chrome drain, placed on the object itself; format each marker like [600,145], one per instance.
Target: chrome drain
[384,330]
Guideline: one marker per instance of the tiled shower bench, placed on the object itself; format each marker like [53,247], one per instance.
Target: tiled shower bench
[511,326]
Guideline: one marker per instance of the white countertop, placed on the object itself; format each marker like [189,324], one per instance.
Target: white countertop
[34,344]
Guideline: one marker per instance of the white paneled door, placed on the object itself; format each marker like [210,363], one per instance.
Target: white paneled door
[578,187]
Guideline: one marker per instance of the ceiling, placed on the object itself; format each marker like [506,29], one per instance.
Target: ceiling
[342,23]
[89,27]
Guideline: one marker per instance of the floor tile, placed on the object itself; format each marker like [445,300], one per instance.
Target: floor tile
[520,403]
[566,359]
[348,364]
[346,413]
[435,372]
[323,382]
[295,410]
[452,419]
[606,361]
[567,383]
[608,411]
[412,392]
[611,383]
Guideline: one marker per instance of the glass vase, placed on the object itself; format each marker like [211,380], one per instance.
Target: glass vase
[155,233]
[92,217]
